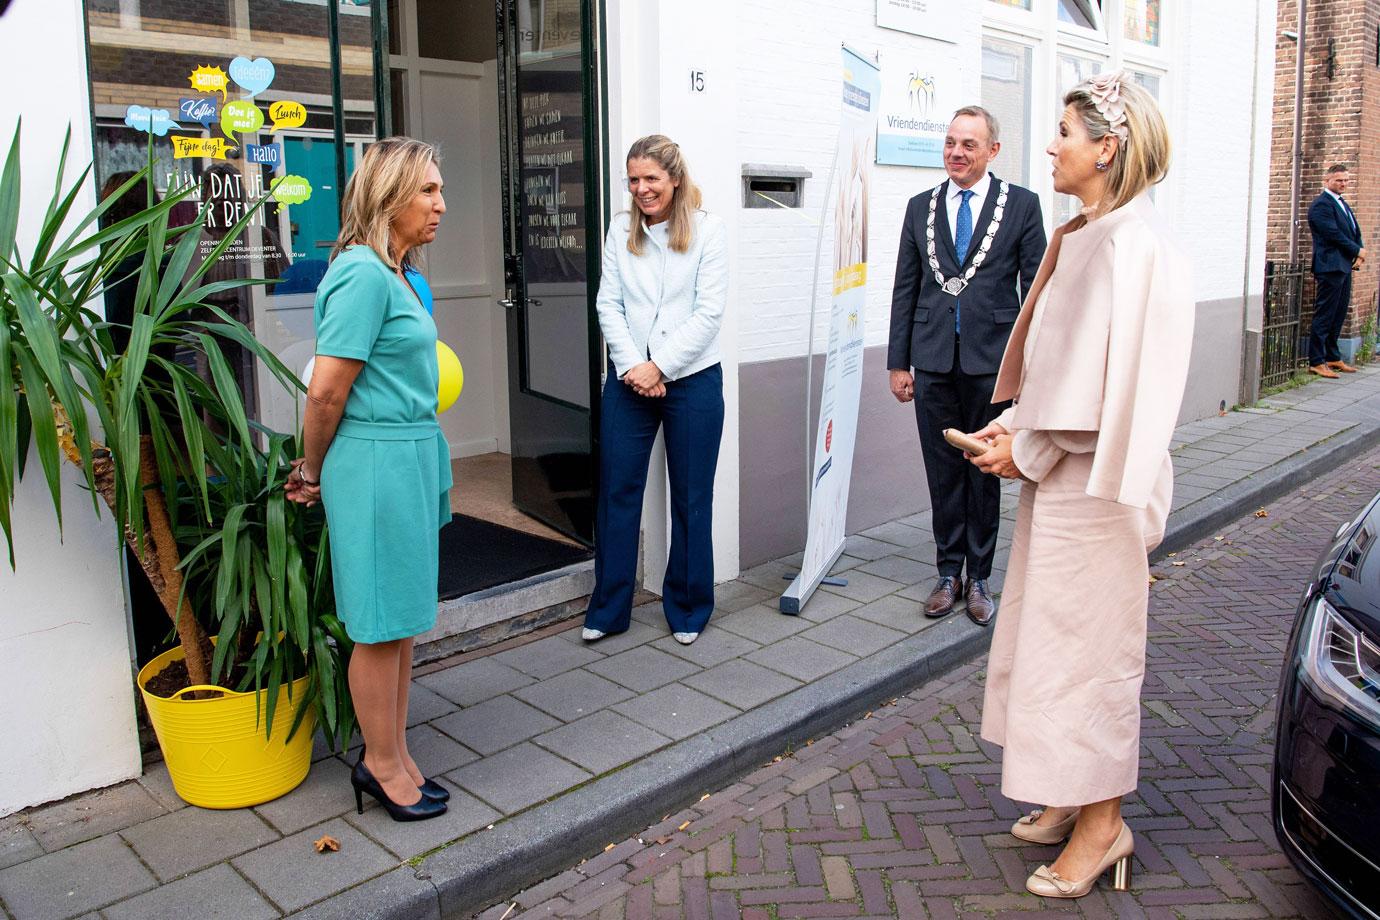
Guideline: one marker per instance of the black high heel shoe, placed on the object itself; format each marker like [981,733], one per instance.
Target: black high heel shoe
[364,781]
[430,789]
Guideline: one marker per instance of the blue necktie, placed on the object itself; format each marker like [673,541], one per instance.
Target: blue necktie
[963,237]
[1346,209]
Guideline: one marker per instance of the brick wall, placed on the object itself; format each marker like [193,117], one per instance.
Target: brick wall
[1341,124]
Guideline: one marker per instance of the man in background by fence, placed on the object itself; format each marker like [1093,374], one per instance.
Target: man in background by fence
[1338,250]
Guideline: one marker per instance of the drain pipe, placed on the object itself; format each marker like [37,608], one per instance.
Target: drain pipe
[1248,389]
[1295,181]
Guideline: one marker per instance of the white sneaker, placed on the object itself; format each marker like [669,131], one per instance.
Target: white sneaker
[686,638]
[592,635]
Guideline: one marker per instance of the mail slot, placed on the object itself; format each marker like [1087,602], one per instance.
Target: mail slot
[773,186]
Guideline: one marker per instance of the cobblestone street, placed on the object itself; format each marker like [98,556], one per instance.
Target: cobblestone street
[900,814]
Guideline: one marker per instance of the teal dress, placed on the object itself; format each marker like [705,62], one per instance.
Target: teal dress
[386,477]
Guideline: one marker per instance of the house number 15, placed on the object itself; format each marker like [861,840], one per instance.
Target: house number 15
[697,81]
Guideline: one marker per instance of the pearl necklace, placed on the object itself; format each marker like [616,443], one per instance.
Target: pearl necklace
[954,286]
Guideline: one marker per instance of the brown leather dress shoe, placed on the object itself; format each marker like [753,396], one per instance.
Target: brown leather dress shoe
[941,600]
[1322,370]
[1341,366]
[980,606]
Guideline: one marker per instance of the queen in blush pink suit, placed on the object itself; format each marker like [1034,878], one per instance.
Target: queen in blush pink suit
[1096,366]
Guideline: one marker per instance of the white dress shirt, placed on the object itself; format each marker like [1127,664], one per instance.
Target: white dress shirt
[1345,210]
[954,199]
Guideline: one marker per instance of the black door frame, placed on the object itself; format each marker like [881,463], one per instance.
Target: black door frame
[595,107]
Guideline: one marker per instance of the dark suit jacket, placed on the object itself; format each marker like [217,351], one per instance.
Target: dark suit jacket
[1335,241]
[922,316]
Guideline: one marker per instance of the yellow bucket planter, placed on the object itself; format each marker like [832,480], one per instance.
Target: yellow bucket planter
[215,748]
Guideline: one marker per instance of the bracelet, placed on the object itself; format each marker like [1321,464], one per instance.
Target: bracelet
[302,478]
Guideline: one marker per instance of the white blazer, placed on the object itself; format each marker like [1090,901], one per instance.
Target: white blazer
[664,306]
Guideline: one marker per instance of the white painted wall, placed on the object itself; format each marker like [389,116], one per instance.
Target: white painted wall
[654,46]
[788,114]
[65,665]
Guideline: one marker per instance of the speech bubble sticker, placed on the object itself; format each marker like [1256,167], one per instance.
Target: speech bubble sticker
[264,155]
[240,117]
[254,76]
[290,189]
[150,121]
[186,148]
[203,109]
[287,114]
[207,79]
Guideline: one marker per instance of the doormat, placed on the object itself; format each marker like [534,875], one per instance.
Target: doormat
[478,554]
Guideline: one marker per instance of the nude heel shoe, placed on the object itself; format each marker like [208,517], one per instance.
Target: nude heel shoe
[1049,884]
[1026,829]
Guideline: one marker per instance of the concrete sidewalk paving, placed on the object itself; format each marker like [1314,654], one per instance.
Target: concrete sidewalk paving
[553,748]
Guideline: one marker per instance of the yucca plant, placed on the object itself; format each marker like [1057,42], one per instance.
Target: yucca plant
[194,486]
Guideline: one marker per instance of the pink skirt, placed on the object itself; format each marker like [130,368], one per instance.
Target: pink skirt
[1068,650]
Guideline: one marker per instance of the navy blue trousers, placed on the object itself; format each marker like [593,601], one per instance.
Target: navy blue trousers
[692,415]
[1329,315]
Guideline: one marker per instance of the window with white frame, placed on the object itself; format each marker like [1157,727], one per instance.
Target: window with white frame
[1084,13]
[1006,93]
[1141,21]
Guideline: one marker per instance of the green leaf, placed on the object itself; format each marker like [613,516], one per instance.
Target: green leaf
[226,387]
[44,428]
[9,197]
[196,452]
[229,550]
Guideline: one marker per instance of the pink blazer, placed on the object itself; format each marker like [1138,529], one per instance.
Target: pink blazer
[1110,347]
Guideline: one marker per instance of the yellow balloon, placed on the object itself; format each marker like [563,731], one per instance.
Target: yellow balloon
[452,377]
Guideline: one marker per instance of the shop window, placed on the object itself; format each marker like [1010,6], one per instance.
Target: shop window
[238,96]
[1142,21]
[1006,93]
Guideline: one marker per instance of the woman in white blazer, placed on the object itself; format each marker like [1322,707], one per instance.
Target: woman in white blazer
[661,300]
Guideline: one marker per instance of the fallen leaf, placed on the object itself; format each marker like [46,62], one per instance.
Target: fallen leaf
[1171,555]
[683,825]
[1262,513]
[607,848]
[1178,563]
[868,716]
[1153,579]
[703,797]
[327,842]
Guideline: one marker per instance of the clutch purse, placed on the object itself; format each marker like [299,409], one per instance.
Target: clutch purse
[964,442]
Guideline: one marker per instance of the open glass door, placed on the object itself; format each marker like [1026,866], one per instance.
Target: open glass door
[551,217]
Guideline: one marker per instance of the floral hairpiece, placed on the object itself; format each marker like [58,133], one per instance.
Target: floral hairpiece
[1105,89]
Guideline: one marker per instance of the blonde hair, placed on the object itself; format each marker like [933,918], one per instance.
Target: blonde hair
[385,182]
[1142,158]
[685,200]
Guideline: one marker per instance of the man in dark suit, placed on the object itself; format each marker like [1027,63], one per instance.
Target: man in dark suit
[1338,250]
[970,249]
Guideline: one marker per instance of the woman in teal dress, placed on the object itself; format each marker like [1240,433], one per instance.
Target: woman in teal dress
[376,458]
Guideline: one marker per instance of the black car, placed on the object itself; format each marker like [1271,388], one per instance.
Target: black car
[1326,795]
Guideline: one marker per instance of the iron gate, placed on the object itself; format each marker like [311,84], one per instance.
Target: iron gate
[1283,335]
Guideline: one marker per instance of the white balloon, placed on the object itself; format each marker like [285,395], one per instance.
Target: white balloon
[306,371]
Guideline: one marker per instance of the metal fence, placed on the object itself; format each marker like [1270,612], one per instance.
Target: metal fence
[1283,345]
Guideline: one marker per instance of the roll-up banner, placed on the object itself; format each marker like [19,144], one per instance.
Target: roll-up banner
[843,365]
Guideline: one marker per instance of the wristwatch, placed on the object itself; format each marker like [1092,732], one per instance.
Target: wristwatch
[302,477]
